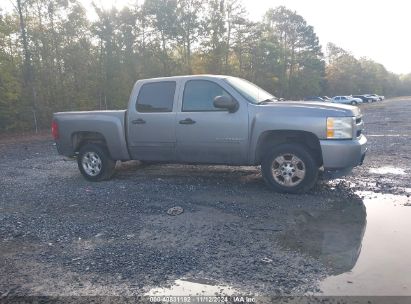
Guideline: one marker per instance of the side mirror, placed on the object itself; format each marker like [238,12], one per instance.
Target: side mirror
[226,102]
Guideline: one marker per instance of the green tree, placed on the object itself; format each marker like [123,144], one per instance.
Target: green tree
[404,85]
[342,72]
[189,20]
[162,15]
[213,46]
[52,58]
[10,85]
[301,57]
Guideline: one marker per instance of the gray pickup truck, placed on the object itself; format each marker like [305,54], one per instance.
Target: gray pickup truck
[210,119]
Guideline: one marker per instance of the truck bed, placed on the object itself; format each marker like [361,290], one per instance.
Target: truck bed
[108,125]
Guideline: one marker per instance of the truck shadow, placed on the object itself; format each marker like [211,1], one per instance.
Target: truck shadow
[136,169]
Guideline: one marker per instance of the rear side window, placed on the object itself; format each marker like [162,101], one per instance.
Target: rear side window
[156,97]
[199,95]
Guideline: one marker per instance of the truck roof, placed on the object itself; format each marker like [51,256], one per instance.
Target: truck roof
[185,77]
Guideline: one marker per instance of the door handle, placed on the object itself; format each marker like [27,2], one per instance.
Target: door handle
[138,121]
[187,121]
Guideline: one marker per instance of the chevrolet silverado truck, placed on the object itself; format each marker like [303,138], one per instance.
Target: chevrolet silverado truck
[210,119]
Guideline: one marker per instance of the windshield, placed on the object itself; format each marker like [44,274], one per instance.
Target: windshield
[249,91]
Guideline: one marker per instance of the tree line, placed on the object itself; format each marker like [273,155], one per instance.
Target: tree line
[53,58]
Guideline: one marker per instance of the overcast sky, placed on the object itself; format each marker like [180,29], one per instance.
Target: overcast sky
[379,30]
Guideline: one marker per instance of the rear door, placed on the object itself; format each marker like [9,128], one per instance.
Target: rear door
[206,134]
[151,122]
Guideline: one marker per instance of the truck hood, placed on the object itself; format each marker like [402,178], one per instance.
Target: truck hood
[327,108]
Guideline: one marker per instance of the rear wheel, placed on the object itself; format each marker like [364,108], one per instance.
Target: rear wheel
[94,162]
[289,168]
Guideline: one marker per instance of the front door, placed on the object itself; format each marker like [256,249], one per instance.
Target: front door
[206,134]
[151,124]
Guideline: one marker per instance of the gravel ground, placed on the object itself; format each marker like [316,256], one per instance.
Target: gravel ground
[61,235]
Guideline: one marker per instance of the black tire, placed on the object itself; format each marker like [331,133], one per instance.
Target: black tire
[354,103]
[106,165]
[307,161]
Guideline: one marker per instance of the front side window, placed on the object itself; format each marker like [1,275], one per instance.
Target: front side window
[199,95]
[156,97]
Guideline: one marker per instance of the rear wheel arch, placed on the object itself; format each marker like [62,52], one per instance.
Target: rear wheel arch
[81,138]
[270,139]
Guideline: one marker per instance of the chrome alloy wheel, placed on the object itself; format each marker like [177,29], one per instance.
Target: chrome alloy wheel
[288,170]
[91,163]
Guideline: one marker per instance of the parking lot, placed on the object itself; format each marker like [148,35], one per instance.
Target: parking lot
[62,235]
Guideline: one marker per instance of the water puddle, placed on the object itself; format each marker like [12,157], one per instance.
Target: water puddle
[333,236]
[365,244]
[192,288]
[388,170]
[383,265]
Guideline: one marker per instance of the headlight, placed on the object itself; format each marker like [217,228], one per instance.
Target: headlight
[339,127]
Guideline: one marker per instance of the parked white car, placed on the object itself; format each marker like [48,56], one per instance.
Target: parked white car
[377,97]
[346,100]
[372,98]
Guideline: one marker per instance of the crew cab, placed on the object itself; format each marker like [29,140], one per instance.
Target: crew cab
[212,119]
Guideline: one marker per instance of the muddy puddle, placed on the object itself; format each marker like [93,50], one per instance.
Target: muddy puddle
[365,244]
[333,236]
[383,266]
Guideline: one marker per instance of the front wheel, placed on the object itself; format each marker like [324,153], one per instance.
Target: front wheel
[94,162]
[289,168]
[354,103]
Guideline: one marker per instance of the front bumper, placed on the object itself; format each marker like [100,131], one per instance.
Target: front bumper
[342,155]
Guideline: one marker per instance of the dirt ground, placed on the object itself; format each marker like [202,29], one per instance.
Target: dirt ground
[61,235]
